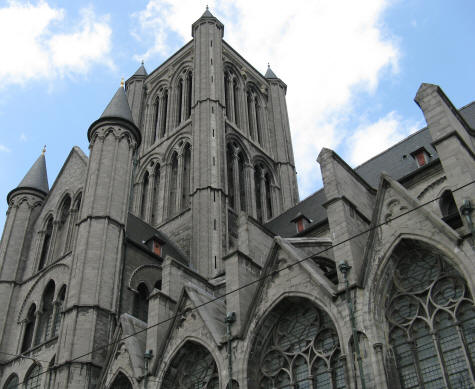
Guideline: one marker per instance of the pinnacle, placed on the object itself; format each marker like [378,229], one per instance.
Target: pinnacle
[36,178]
[270,73]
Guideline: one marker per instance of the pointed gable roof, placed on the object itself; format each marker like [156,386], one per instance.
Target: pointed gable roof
[118,107]
[36,178]
[207,14]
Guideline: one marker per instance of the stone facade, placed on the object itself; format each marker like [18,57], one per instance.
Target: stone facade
[178,254]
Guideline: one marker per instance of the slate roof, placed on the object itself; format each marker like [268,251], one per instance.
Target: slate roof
[36,178]
[118,107]
[270,73]
[396,161]
[141,71]
[207,14]
[139,232]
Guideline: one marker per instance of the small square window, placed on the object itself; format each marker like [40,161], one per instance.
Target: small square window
[421,157]
[156,248]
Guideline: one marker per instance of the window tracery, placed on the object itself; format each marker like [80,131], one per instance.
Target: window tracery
[431,320]
[33,378]
[296,347]
[192,368]
[45,321]
[29,326]
[12,382]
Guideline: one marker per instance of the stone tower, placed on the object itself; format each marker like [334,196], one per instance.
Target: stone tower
[216,143]
[24,205]
[93,293]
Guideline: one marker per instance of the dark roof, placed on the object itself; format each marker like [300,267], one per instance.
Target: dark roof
[396,161]
[311,207]
[141,71]
[270,73]
[118,107]
[140,232]
[207,14]
[37,177]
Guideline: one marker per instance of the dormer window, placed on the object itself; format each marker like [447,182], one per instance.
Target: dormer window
[155,245]
[301,222]
[421,156]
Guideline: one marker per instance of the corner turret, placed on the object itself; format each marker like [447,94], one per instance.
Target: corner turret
[135,88]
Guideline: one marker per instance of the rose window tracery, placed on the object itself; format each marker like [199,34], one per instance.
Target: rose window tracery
[431,318]
[296,347]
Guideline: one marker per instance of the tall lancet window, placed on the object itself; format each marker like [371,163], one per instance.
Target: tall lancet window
[29,328]
[63,230]
[143,202]
[43,331]
[431,319]
[180,101]
[258,121]
[59,309]
[186,177]
[229,163]
[156,122]
[242,183]
[189,94]
[46,243]
[267,180]
[237,117]
[173,185]
[33,378]
[164,115]
[141,302]
[257,185]
[155,193]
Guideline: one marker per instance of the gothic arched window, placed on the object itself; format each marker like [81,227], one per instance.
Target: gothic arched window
[296,346]
[173,185]
[189,84]
[164,116]
[59,308]
[230,172]
[29,328]
[156,189]
[121,382]
[46,243]
[45,322]
[258,189]
[180,101]
[63,229]
[237,118]
[12,382]
[143,202]
[449,211]
[268,196]
[156,121]
[33,378]
[141,302]
[186,177]
[431,320]
[242,183]
[193,367]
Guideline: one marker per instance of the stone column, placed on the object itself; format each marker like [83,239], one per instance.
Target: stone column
[184,93]
[263,196]
[250,191]
[149,197]
[380,378]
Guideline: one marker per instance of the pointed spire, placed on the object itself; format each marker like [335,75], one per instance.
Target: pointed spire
[118,107]
[141,71]
[270,73]
[207,14]
[36,178]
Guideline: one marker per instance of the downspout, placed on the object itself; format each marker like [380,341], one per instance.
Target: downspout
[229,320]
[344,268]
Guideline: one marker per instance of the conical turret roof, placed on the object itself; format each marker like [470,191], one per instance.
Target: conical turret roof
[270,73]
[141,71]
[118,107]
[36,178]
[207,14]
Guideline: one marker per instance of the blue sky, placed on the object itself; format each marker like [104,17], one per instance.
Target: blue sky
[352,68]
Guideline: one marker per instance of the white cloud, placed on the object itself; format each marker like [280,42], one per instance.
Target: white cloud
[370,140]
[4,149]
[37,43]
[328,52]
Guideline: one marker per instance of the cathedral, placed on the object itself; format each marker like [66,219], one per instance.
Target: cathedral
[178,255]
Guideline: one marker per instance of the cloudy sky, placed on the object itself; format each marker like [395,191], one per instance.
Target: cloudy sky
[352,68]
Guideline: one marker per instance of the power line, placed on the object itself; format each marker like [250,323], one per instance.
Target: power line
[177,315]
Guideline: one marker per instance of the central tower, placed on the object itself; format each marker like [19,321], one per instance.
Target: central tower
[216,143]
